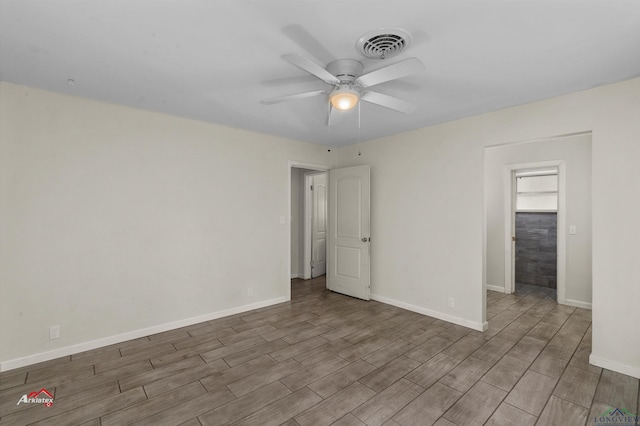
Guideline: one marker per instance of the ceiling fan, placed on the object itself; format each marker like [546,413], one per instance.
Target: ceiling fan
[350,85]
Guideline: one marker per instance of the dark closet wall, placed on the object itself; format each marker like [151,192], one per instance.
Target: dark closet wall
[536,248]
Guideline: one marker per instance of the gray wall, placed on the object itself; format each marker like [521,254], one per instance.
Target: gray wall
[536,249]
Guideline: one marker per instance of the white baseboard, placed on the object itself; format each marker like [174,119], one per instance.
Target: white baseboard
[435,314]
[293,276]
[497,288]
[135,334]
[577,303]
[629,370]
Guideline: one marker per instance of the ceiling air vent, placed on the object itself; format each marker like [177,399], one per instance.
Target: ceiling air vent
[383,43]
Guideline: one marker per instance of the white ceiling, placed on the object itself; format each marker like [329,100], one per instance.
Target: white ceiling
[214,60]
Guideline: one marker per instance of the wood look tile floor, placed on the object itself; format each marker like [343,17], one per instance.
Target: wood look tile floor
[325,358]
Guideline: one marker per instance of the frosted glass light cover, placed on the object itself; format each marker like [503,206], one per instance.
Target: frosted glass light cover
[344,99]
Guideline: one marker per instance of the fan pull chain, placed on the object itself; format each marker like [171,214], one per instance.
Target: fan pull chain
[359,139]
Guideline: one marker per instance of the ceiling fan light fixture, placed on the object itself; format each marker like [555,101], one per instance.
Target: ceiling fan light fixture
[344,98]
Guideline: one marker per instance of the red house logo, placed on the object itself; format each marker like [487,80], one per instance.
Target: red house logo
[43,397]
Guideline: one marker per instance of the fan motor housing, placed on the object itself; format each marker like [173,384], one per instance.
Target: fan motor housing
[346,69]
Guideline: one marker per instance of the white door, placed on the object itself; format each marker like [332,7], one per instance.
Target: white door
[349,231]
[319,225]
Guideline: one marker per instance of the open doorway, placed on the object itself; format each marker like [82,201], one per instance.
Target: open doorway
[570,156]
[535,193]
[316,225]
[343,232]
[308,220]
[535,222]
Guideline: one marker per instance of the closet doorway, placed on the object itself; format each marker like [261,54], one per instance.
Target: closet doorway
[308,222]
[315,228]
[535,220]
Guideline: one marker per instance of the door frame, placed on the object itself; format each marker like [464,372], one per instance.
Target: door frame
[308,216]
[509,223]
[292,164]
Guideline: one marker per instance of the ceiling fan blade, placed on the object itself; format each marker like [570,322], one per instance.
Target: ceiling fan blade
[388,102]
[294,97]
[313,68]
[392,72]
[303,38]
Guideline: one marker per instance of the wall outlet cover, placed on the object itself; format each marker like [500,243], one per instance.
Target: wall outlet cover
[54,332]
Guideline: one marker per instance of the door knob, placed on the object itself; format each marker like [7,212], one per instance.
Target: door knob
[365,239]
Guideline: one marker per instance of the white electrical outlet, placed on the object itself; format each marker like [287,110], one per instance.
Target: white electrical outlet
[451,302]
[250,292]
[54,332]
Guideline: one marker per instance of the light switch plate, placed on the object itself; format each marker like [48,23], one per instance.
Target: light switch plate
[572,230]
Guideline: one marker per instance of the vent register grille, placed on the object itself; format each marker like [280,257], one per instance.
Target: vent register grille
[383,43]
